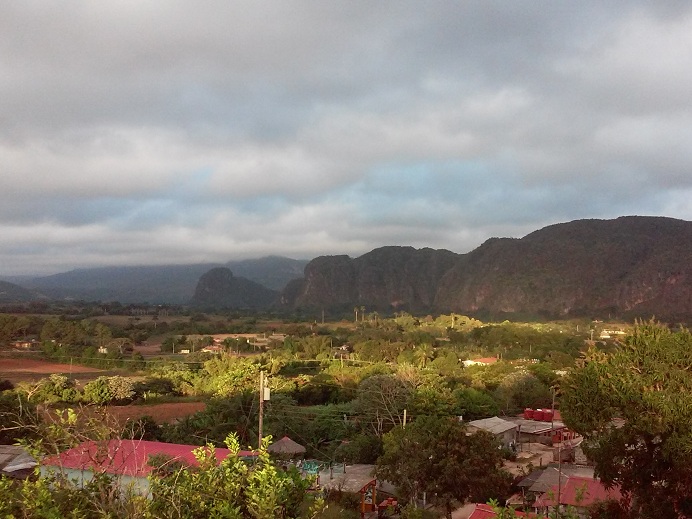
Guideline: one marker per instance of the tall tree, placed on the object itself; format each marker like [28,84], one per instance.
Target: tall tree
[381,402]
[423,353]
[436,456]
[634,409]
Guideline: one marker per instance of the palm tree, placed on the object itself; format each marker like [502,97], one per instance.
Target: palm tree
[355,310]
[424,353]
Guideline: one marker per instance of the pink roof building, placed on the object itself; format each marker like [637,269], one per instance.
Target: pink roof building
[579,492]
[128,460]
[483,511]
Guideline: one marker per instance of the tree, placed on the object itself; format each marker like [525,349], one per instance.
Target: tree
[109,390]
[381,401]
[227,488]
[435,455]
[521,390]
[17,413]
[646,385]
[423,353]
[230,489]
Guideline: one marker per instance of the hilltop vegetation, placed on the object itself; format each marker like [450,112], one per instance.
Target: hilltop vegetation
[345,389]
[323,376]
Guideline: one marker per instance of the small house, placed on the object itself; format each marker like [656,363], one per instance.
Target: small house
[503,430]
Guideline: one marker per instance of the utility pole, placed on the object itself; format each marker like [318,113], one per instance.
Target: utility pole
[261,408]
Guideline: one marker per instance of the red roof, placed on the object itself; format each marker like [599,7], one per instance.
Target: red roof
[128,457]
[486,512]
[578,491]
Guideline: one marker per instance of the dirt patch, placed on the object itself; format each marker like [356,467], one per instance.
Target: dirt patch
[31,370]
[43,367]
[161,413]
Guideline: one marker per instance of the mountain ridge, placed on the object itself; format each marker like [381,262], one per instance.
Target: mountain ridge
[155,284]
[631,266]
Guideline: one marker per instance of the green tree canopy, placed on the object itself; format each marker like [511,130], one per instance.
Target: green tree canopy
[436,456]
[646,385]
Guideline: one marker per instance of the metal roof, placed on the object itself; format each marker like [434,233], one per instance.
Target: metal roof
[15,461]
[494,425]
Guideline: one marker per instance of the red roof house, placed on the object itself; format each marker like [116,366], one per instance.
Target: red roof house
[126,459]
[579,492]
[483,511]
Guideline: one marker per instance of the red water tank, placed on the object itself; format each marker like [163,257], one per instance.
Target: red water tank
[547,415]
[528,413]
[538,415]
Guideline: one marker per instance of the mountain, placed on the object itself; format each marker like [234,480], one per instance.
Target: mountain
[628,267]
[170,284]
[270,271]
[388,278]
[11,293]
[220,288]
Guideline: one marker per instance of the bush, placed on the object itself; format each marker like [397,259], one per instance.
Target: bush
[53,389]
[363,448]
[109,390]
[154,387]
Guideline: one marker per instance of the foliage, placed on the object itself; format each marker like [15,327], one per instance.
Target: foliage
[646,384]
[237,413]
[154,387]
[521,390]
[230,488]
[381,402]
[218,489]
[229,376]
[109,390]
[180,375]
[435,455]
[52,389]
[16,415]
[473,404]
[362,448]
[143,428]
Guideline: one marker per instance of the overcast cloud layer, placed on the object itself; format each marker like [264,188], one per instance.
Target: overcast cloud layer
[145,132]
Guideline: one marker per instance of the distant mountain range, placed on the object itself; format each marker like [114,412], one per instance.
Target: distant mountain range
[11,293]
[628,267]
[164,284]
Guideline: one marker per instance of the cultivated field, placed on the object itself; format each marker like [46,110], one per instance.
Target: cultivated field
[18,370]
[161,413]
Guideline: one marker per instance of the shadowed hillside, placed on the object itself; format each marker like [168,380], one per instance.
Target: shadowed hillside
[219,288]
[631,266]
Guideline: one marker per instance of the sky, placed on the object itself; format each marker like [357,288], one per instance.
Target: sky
[167,132]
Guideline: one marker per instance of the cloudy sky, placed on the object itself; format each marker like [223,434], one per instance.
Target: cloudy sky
[157,132]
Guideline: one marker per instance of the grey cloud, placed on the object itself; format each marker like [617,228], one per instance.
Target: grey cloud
[138,132]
